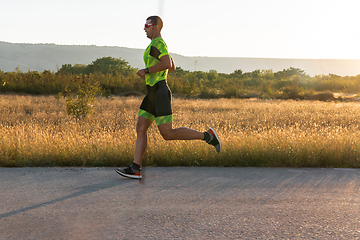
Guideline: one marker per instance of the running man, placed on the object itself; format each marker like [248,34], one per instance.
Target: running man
[156,105]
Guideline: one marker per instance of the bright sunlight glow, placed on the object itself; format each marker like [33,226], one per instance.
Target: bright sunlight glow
[260,28]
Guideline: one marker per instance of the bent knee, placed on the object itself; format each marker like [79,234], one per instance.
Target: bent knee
[166,135]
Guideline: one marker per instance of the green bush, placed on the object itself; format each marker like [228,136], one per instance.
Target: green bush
[116,76]
[79,102]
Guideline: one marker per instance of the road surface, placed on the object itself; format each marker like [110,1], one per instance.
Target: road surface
[180,203]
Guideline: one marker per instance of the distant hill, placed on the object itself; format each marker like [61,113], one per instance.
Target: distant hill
[40,57]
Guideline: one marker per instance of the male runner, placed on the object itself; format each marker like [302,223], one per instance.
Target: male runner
[157,103]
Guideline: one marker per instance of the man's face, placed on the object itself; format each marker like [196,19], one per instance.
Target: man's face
[149,30]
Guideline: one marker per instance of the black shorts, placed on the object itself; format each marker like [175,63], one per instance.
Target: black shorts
[157,103]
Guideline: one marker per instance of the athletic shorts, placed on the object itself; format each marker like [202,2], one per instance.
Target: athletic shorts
[157,104]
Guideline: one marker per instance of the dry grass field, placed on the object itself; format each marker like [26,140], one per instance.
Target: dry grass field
[36,131]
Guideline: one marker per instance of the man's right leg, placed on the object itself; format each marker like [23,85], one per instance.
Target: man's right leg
[142,126]
[134,170]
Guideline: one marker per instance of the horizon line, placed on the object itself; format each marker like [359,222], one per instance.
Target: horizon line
[93,45]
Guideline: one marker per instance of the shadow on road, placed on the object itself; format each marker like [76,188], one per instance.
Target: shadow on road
[82,191]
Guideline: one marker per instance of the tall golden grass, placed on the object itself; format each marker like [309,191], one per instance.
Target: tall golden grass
[36,131]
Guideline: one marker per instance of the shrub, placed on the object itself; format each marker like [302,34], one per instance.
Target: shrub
[79,103]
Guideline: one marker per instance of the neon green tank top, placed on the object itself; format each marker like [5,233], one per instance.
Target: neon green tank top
[152,55]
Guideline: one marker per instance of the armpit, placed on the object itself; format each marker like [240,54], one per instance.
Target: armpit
[155,53]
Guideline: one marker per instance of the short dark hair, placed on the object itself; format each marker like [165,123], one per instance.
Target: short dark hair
[156,20]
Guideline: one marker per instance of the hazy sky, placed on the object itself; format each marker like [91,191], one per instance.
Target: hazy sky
[215,28]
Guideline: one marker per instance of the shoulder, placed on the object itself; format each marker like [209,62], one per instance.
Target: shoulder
[159,43]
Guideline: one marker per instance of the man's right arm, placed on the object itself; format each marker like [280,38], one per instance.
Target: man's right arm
[165,63]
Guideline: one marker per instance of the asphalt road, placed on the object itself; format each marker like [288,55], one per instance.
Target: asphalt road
[180,203]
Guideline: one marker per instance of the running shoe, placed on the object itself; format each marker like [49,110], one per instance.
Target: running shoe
[214,139]
[129,172]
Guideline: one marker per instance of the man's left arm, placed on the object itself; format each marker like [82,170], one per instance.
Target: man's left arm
[172,66]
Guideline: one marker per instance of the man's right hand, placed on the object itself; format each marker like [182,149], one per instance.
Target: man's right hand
[141,73]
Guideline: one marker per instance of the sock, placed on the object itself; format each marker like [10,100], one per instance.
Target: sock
[206,137]
[135,166]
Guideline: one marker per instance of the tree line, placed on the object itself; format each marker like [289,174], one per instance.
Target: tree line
[115,76]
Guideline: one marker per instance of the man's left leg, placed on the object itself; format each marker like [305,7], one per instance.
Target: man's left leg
[181,133]
[184,133]
[163,119]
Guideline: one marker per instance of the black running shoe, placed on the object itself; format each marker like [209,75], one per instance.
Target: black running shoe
[129,172]
[214,139]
